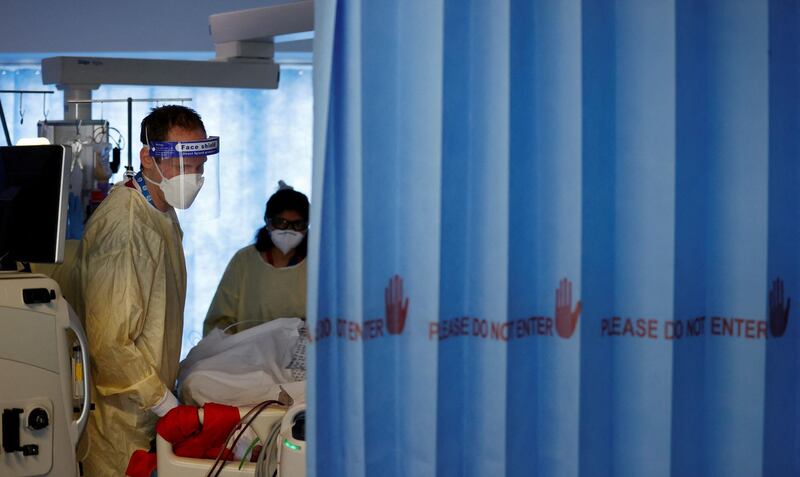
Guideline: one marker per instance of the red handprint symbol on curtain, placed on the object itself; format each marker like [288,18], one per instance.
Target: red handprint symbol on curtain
[778,311]
[396,306]
[566,318]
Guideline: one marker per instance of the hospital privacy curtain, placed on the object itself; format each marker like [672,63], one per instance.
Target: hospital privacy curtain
[556,238]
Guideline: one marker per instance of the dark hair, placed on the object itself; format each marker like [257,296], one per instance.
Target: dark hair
[281,201]
[157,124]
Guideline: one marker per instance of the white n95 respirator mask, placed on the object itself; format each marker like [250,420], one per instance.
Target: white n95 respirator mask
[181,190]
[286,240]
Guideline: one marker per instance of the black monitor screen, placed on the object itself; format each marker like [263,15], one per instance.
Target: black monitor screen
[32,203]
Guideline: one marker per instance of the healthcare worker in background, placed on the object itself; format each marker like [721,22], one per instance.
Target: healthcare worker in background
[266,280]
[132,278]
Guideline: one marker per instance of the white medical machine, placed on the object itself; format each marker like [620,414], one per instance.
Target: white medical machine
[40,430]
[292,442]
[42,343]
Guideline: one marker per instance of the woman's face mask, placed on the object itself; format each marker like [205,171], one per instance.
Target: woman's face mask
[287,230]
[286,240]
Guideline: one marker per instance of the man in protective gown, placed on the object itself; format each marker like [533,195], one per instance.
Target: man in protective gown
[130,288]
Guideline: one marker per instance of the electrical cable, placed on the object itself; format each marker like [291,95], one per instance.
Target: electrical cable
[269,448]
[261,407]
[120,142]
[249,417]
[252,412]
[248,451]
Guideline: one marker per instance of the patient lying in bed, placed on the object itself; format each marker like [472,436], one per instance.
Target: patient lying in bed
[248,367]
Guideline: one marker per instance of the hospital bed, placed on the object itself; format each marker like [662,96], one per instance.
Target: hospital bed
[290,444]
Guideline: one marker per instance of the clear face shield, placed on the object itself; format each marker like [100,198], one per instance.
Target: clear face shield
[186,167]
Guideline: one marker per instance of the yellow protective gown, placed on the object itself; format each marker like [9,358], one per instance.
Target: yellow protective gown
[132,277]
[253,290]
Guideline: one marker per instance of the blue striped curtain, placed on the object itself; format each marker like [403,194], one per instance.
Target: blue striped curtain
[556,238]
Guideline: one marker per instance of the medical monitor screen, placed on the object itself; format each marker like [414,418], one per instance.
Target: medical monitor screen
[33,194]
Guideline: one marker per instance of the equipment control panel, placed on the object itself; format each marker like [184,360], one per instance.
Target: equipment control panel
[27,437]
